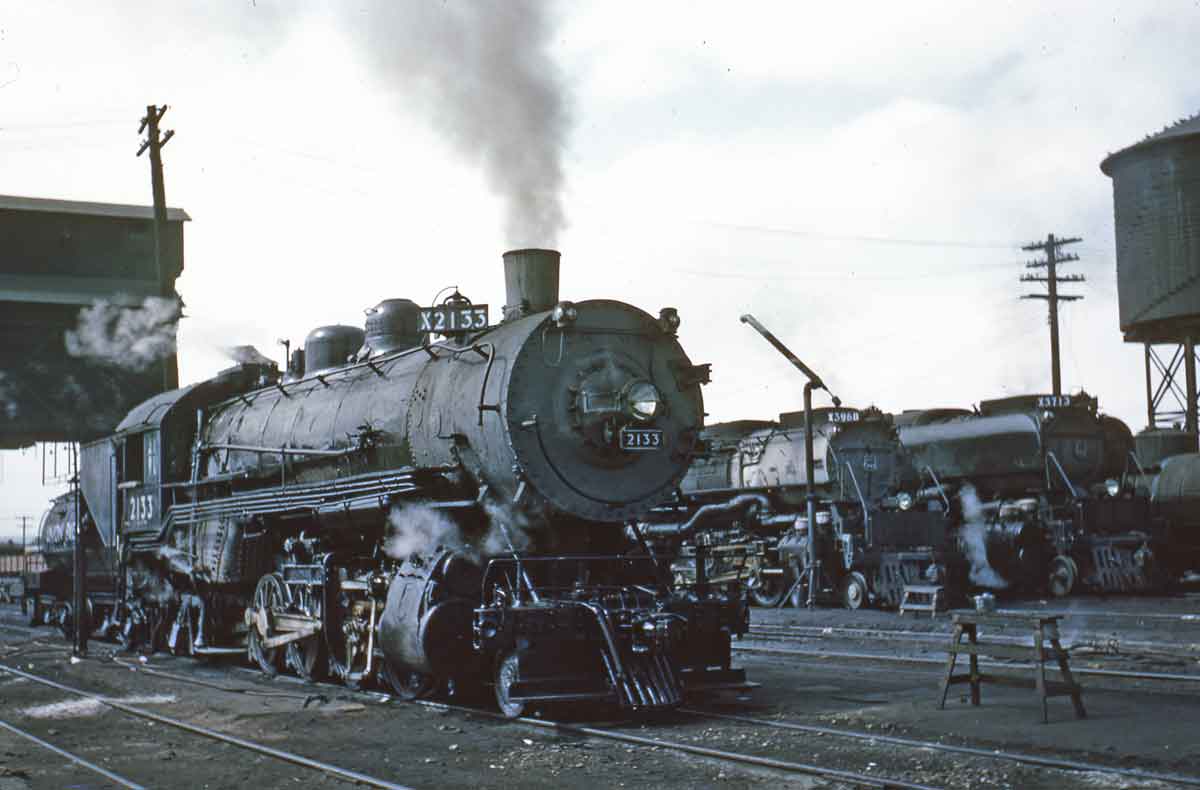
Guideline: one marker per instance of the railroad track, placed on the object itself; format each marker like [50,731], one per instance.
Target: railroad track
[854,778]
[736,758]
[117,779]
[335,771]
[611,734]
[1099,641]
[971,751]
[825,655]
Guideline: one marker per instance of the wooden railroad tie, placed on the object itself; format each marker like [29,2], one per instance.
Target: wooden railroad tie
[1046,645]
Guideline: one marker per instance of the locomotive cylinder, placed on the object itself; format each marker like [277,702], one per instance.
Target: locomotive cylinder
[427,620]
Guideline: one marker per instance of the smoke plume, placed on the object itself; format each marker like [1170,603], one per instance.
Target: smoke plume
[129,337]
[482,72]
[247,355]
[973,538]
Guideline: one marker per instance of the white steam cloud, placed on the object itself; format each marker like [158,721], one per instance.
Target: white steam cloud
[483,73]
[129,337]
[247,355]
[973,538]
[420,529]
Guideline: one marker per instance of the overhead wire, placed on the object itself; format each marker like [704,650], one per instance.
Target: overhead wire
[820,236]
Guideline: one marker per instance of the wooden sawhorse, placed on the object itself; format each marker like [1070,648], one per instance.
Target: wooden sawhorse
[1045,630]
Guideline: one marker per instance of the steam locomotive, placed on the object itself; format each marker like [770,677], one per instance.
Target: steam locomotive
[440,514]
[1032,494]
[748,488]
[1050,495]
[49,584]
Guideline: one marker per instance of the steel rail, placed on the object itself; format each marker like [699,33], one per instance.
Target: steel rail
[850,777]
[20,629]
[109,775]
[289,757]
[1184,617]
[941,662]
[784,632]
[864,780]
[994,754]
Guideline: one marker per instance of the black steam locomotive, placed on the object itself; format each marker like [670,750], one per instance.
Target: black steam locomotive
[749,489]
[48,588]
[1031,494]
[1049,494]
[439,514]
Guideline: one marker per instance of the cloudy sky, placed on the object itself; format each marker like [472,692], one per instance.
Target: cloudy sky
[860,176]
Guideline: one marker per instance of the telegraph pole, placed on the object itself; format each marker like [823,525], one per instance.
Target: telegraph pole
[24,557]
[154,144]
[1052,279]
[80,640]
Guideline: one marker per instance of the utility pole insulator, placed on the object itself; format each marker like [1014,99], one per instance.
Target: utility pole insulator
[1052,279]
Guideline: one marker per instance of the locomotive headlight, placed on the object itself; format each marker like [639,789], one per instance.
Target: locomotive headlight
[904,500]
[564,313]
[642,400]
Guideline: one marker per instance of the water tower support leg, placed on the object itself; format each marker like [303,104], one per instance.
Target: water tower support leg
[1189,363]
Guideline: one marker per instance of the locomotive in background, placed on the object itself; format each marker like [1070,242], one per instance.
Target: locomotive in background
[1033,494]
[1049,495]
[49,582]
[752,493]
[748,489]
[442,514]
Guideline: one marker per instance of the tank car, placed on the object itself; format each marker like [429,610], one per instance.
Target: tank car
[1036,485]
[439,513]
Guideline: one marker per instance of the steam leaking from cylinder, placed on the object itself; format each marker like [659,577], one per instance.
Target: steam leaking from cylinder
[483,74]
[416,528]
[973,539]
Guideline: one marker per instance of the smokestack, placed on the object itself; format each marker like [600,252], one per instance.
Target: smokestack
[530,282]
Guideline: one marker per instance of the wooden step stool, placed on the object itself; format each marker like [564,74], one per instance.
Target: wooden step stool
[1044,629]
[923,598]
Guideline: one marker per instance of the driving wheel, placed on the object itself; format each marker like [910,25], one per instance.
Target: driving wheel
[508,671]
[270,596]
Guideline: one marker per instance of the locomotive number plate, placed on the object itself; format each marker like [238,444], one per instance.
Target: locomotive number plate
[451,318]
[641,439]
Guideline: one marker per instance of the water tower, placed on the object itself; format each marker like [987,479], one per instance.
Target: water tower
[1156,202]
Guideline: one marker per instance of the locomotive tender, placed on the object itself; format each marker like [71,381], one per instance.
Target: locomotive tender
[444,514]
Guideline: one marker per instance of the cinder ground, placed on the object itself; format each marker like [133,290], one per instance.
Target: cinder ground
[1147,725]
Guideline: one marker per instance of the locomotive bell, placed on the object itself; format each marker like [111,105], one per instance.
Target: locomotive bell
[530,282]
